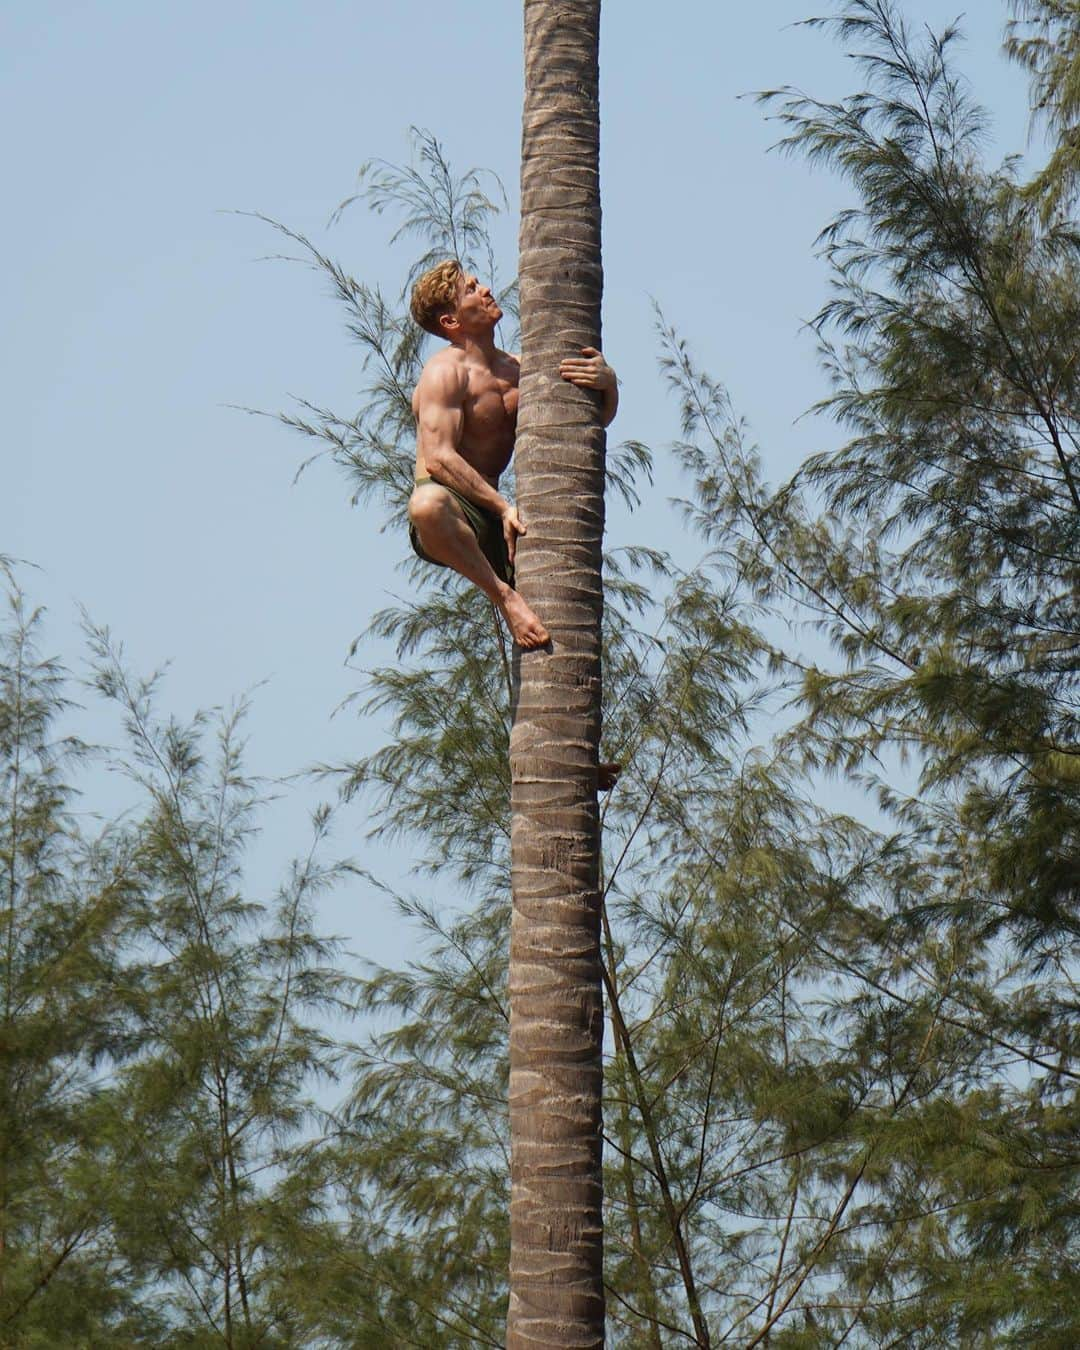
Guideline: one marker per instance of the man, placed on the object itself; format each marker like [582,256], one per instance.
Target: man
[465,406]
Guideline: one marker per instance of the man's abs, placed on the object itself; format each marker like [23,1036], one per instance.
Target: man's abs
[489,464]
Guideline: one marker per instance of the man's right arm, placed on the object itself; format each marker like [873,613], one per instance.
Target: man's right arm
[440,398]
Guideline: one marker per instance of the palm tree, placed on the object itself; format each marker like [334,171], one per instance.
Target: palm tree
[556,1007]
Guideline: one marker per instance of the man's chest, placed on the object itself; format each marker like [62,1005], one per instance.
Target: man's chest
[491,405]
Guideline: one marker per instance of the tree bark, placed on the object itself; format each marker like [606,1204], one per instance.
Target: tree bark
[556,1006]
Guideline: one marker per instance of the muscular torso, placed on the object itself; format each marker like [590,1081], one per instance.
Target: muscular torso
[489,403]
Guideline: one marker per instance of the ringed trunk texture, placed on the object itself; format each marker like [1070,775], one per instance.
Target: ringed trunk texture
[556,1006]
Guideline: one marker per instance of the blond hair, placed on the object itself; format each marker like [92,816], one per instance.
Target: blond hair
[434,294]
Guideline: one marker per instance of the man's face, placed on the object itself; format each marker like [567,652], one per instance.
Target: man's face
[477,310]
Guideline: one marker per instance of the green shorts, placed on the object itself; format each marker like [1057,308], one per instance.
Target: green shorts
[487,528]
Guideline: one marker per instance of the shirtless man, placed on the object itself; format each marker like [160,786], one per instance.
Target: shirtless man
[466,415]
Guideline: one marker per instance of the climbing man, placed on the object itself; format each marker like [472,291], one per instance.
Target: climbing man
[465,406]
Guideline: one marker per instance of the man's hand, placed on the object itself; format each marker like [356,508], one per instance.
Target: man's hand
[589,370]
[512,526]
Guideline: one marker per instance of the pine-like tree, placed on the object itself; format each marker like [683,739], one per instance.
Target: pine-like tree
[219,1182]
[1044,36]
[427,1137]
[64,901]
[947,569]
[841,1087]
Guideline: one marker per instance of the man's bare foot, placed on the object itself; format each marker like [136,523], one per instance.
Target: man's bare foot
[525,628]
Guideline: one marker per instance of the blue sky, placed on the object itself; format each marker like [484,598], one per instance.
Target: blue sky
[139,307]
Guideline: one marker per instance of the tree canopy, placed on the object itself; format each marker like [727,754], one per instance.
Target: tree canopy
[840,870]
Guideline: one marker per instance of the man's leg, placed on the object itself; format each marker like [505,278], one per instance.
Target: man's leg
[445,535]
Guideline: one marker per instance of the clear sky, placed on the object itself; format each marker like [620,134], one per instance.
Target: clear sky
[138,307]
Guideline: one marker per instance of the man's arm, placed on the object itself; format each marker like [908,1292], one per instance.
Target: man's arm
[440,414]
[591,371]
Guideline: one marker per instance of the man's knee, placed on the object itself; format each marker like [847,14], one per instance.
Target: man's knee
[429,504]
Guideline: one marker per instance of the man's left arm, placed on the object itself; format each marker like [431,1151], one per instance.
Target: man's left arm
[591,371]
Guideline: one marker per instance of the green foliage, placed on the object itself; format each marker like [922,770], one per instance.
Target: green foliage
[449,213]
[841,1081]
[1045,38]
[160,1163]
[948,559]
[63,901]
[842,1063]
[946,568]
[217,1173]
[709,855]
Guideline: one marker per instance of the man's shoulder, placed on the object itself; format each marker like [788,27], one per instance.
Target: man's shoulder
[447,363]
[443,380]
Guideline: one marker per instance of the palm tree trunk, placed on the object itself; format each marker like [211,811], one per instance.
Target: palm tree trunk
[556,1007]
